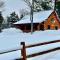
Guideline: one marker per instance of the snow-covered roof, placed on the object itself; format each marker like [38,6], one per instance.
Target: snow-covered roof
[38,17]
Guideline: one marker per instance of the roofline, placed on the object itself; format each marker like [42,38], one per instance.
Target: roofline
[45,19]
[57,16]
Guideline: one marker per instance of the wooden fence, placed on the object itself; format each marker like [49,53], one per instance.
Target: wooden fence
[23,50]
[24,47]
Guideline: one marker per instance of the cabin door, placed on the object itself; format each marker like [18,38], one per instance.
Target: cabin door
[41,27]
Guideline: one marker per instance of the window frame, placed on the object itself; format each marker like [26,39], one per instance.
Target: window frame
[52,20]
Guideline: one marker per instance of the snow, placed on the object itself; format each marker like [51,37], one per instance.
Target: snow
[14,37]
[38,17]
[10,56]
[10,39]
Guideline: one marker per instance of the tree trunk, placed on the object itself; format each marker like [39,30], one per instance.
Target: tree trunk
[0,27]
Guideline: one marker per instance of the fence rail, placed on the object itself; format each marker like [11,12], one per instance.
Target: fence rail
[44,43]
[29,46]
[40,53]
[24,47]
[12,50]
[43,52]
[23,50]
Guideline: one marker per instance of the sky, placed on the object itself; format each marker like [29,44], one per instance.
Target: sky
[14,5]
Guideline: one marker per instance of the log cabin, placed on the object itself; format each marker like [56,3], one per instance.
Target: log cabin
[43,20]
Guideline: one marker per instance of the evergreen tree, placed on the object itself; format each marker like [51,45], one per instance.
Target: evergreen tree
[58,8]
[12,19]
[1,20]
[42,5]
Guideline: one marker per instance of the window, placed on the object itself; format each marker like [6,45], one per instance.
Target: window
[56,27]
[35,26]
[48,27]
[22,27]
[52,20]
[28,26]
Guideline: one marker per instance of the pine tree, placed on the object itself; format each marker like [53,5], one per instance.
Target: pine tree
[42,5]
[58,8]
[12,19]
[1,20]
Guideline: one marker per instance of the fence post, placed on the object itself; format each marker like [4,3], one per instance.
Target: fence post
[23,51]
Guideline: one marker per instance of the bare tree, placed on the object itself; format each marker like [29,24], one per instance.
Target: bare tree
[40,4]
[30,3]
[23,12]
[37,5]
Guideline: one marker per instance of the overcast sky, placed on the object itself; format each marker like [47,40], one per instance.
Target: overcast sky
[14,5]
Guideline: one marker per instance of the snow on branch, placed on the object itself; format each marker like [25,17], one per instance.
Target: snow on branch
[28,2]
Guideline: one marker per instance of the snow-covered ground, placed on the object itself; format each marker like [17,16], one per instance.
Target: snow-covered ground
[10,39]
